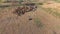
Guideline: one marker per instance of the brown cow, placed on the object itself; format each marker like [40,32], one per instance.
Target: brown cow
[19,11]
[23,9]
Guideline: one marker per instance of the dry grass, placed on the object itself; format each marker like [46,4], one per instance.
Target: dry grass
[44,23]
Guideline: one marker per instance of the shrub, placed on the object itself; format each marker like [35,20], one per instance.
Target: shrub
[38,23]
[40,3]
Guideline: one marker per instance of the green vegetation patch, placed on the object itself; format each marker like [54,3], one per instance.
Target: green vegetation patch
[2,30]
[57,1]
[38,23]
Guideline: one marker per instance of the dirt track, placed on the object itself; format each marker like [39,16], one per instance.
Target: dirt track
[12,24]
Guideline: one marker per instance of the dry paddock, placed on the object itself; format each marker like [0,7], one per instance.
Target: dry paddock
[12,24]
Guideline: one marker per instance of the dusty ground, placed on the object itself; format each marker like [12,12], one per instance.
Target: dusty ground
[12,24]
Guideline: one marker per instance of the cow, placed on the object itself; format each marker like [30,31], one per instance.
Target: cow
[23,9]
[19,11]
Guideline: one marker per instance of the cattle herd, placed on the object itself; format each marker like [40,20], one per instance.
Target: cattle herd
[25,8]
